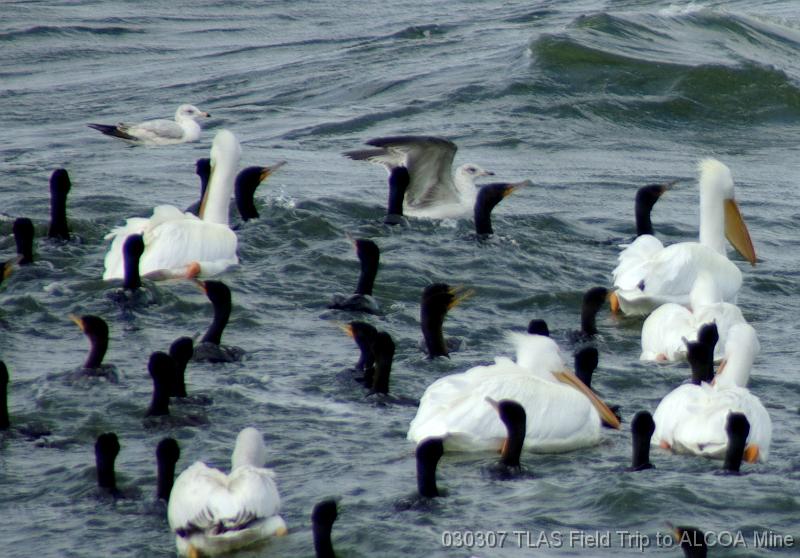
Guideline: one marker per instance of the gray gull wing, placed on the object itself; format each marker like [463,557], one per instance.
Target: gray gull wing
[429,161]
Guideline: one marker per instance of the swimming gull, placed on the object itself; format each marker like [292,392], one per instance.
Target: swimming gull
[184,128]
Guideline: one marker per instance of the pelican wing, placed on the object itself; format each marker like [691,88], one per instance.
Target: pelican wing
[206,499]
[559,418]
[173,239]
[664,330]
[647,276]
[429,161]
[692,419]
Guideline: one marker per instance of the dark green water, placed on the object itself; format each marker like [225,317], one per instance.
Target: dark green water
[589,100]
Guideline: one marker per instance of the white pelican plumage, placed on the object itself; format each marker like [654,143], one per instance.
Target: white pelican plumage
[692,418]
[649,274]
[174,239]
[559,417]
[666,328]
[213,513]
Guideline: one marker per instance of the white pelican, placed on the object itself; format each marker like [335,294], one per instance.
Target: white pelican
[174,239]
[666,328]
[692,418]
[433,189]
[184,128]
[649,274]
[559,417]
[213,513]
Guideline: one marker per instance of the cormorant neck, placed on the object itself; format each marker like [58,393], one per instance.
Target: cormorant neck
[737,428]
[23,237]
[132,280]
[58,216]
[513,446]
[106,449]
[589,320]
[432,324]
[162,370]
[369,270]
[383,350]
[245,200]
[322,518]
[222,313]
[702,362]
[167,454]
[642,428]
[97,350]
[4,422]
[428,454]
[159,404]
[398,183]
[643,223]
[484,204]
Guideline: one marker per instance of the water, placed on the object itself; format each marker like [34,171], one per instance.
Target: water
[588,99]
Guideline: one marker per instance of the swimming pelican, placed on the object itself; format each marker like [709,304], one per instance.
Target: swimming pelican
[175,241]
[434,190]
[692,418]
[664,331]
[649,274]
[213,513]
[559,417]
[184,128]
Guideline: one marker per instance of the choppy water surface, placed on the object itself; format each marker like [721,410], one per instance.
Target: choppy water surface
[588,99]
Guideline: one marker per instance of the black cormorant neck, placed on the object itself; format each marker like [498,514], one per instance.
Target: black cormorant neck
[642,428]
[383,352]
[593,300]
[203,170]
[646,198]
[399,180]
[96,330]
[586,361]
[245,190]
[429,451]
[167,455]
[220,296]
[488,197]
[738,428]
[162,370]
[701,359]
[59,188]
[23,236]
[700,354]
[4,422]
[364,335]
[692,542]
[437,299]
[369,256]
[322,519]
[132,251]
[538,327]
[106,449]
[513,416]
[181,352]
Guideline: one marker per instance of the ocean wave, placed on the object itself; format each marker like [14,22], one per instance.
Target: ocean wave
[614,69]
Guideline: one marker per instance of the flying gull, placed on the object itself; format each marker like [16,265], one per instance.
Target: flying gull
[434,190]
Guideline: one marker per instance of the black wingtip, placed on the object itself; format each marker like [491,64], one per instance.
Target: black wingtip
[111,131]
